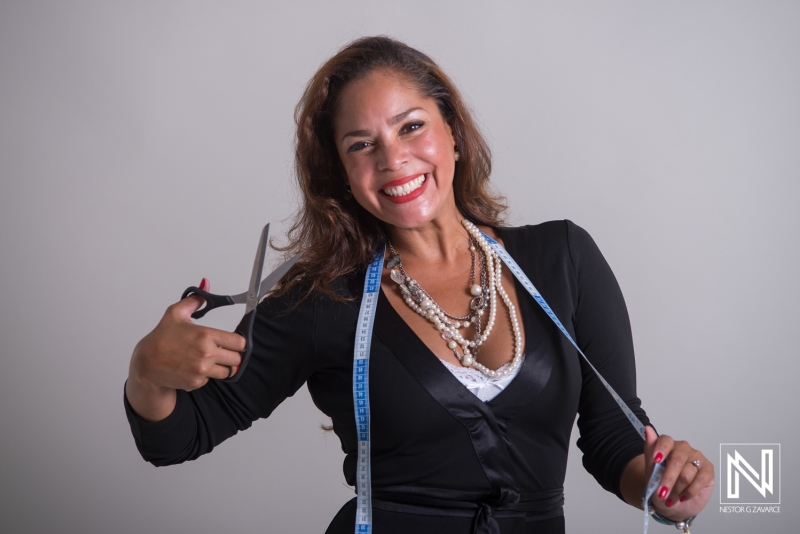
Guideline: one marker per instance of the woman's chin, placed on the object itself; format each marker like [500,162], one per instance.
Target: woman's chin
[414,215]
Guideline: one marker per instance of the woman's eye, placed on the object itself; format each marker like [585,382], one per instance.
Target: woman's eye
[413,126]
[357,146]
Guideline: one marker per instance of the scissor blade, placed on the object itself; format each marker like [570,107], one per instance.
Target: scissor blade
[273,278]
[270,281]
[258,268]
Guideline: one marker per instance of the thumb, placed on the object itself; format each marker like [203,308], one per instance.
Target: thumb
[186,307]
[650,434]
[651,437]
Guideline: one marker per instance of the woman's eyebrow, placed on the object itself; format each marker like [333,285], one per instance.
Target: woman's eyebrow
[397,118]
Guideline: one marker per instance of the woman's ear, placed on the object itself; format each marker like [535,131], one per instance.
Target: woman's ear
[452,135]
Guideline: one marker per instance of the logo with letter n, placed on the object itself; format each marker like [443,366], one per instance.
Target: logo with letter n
[750,473]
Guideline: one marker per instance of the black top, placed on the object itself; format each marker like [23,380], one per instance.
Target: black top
[438,452]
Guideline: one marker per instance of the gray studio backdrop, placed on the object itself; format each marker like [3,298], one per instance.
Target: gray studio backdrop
[144,144]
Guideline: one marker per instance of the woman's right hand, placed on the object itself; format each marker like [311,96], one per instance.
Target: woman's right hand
[179,354]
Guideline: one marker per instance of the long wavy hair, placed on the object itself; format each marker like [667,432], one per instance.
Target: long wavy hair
[335,235]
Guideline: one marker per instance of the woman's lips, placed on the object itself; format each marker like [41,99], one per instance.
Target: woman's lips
[405,189]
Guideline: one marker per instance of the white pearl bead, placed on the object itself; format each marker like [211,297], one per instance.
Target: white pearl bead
[452,344]
[476,290]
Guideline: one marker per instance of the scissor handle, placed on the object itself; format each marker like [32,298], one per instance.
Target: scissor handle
[212,300]
[246,331]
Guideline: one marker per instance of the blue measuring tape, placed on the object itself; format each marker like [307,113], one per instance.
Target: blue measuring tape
[366,319]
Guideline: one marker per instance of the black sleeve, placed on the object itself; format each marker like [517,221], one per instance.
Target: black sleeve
[602,328]
[282,360]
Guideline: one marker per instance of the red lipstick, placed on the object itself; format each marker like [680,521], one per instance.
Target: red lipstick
[402,181]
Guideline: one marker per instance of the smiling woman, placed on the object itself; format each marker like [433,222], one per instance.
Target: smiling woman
[336,234]
[392,160]
[473,391]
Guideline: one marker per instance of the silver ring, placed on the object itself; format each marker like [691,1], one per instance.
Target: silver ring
[696,463]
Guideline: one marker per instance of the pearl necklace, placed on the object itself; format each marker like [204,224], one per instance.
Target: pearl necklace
[480,292]
[465,350]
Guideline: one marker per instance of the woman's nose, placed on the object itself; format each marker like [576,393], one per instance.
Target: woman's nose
[393,155]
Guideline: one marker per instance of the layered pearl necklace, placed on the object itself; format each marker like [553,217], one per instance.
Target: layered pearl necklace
[483,295]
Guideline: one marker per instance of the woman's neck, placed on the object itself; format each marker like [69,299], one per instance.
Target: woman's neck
[441,241]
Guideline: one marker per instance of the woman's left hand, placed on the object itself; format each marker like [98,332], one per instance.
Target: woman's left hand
[684,489]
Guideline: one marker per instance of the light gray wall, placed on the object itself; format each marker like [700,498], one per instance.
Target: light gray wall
[144,144]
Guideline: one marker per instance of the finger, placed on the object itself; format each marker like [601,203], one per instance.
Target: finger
[228,358]
[228,340]
[222,372]
[210,353]
[662,448]
[675,462]
[685,477]
[213,362]
[661,451]
[704,477]
[212,338]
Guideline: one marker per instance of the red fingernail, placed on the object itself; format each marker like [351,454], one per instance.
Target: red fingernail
[659,456]
[683,498]
[203,284]
[237,369]
[669,502]
[662,494]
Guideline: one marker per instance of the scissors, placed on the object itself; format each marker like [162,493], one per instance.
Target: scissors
[250,298]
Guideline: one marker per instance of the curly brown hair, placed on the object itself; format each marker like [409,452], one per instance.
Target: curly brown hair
[335,235]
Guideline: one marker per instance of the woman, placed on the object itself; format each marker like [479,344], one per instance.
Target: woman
[388,155]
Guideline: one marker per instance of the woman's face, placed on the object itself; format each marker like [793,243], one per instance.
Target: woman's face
[397,150]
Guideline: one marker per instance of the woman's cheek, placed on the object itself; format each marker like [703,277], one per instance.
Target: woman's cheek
[426,144]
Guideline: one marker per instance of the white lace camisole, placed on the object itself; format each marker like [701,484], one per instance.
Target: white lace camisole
[484,387]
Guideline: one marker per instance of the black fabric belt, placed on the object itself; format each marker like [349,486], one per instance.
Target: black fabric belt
[485,508]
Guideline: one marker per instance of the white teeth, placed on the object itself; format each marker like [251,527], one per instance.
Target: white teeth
[406,188]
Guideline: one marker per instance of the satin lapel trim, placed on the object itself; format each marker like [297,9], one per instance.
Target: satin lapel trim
[417,358]
[539,358]
[536,368]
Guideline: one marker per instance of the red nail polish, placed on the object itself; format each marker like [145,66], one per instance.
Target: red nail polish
[659,456]
[669,502]
[683,498]
[237,369]
[203,284]
[662,494]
